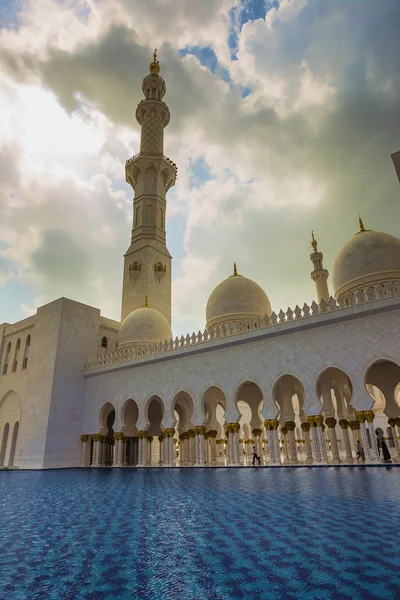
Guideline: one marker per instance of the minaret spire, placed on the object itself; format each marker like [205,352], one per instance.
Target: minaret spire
[147,268]
[319,275]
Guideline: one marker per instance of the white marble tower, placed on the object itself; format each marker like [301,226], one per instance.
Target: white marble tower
[319,275]
[147,268]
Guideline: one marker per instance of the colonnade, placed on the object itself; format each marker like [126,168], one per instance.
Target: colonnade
[200,447]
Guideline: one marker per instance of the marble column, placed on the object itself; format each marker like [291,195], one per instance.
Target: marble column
[270,442]
[231,450]
[274,450]
[369,453]
[161,440]
[96,450]
[305,427]
[319,425]
[142,454]
[284,443]
[314,439]
[331,424]
[171,446]
[344,424]
[369,416]
[392,424]
[291,426]
[201,432]
[212,435]
[192,454]
[118,435]
[85,451]
[235,441]
[355,431]
[398,434]
[149,449]
[122,450]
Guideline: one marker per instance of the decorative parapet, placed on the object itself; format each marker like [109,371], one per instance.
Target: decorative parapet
[168,160]
[362,296]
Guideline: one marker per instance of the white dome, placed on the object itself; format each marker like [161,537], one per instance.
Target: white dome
[235,299]
[143,326]
[370,257]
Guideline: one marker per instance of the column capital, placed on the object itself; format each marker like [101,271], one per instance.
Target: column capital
[331,422]
[142,433]
[344,424]
[201,429]
[160,438]
[228,427]
[360,416]
[150,438]
[191,432]
[290,425]
[212,433]
[170,431]
[118,435]
[284,430]
[97,437]
[305,426]
[369,415]
[235,427]
[274,424]
[84,437]
[354,425]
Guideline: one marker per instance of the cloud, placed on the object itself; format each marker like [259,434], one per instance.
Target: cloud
[308,148]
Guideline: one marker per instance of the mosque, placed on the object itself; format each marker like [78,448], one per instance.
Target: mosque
[302,385]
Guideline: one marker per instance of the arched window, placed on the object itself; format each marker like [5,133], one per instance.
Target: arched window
[16,354]
[7,358]
[4,444]
[161,218]
[26,352]
[13,445]
[104,342]
[137,219]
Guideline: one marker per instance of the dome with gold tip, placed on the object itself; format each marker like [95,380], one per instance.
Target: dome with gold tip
[143,326]
[368,258]
[235,299]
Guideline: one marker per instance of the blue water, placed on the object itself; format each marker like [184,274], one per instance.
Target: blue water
[194,534]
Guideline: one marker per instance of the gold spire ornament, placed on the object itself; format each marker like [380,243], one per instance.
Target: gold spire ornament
[313,241]
[234,269]
[362,228]
[146,302]
[155,65]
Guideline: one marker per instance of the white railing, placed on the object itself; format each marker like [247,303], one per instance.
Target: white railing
[362,296]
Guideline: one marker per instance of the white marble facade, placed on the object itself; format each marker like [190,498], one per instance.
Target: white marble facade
[297,384]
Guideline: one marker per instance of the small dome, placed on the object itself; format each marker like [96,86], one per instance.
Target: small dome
[235,299]
[143,326]
[370,257]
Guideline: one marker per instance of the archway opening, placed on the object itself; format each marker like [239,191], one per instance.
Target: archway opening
[10,415]
[129,417]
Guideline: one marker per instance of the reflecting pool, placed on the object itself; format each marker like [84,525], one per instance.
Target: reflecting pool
[198,533]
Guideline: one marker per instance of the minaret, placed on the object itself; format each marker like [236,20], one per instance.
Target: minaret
[147,268]
[319,275]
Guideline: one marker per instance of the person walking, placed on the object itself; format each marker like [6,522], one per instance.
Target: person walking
[255,456]
[385,451]
[360,452]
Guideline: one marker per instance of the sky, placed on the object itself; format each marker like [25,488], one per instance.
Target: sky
[284,115]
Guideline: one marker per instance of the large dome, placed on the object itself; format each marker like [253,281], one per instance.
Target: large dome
[235,299]
[143,326]
[370,257]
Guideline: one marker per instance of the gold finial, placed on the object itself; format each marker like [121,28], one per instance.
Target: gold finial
[234,269]
[362,228]
[155,65]
[313,241]
[146,302]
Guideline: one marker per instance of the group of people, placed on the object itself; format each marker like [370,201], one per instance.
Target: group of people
[360,456]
